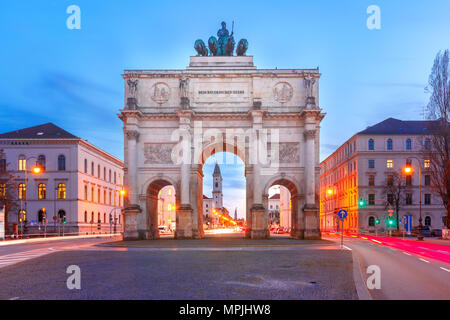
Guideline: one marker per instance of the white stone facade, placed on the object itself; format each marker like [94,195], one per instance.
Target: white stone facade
[89,184]
[354,172]
[221,104]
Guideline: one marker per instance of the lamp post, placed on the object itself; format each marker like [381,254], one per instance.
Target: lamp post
[121,193]
[408,171]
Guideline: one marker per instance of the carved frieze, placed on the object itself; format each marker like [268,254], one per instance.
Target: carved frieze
[160,92]
[158,153]
[289,152]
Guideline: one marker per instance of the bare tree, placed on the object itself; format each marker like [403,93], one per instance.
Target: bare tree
[8,191]
[437,148]
[394,190]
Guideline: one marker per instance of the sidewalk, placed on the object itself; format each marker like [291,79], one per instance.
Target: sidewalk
[37,240]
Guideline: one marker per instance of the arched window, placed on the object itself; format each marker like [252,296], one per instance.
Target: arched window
[427,144]
[41,161]
[61,191]
[389,144]
[104,217]
[62,215]
[42,191]
[92,169]
[371,222]
[98,218]
[98,171]
[104,173]
[85,166]
[115,181]
[41,215]
[408,144]
[428,221]
[22,191]
[371,144]
[22,165]
[61,163]
[92,217]
[85,217]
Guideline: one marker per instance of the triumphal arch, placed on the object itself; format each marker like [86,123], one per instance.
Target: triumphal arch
[173,120]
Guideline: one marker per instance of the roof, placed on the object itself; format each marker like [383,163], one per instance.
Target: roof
[275,196]
[395,126]
[216,170]
[205,197]
[43,131]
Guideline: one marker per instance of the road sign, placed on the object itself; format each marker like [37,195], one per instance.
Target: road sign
[342,214]
[390,212]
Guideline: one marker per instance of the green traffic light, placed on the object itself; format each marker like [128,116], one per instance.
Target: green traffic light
[377,221]
[362,203]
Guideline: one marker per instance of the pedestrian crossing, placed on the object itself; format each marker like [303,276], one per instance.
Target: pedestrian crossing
[14,258]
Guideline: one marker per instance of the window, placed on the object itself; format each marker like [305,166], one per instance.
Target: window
[389,145]
[371,164]
[98,218]
[427,164]
[390,180]
[104,196]
[104,173]
[104,217]
[371,199]
[427,144]
[61,163]
[61,191]
[92,196]
[98,196]
[42,191]
[92,168]
[371,145]
[115,181]
[98,171]
[22,191]
[427,199]
[85,166]
[371,180]
[2,164]
[428,221]
[408,180]
[110,198]
[109,175]
[408,144]
[409,199]
[85,192]
[85,217]
[390,164]
[22,215]
[41,216]
[41,162]
[390,199]
[371,222]
[2,191]
[427,180]
[22,166]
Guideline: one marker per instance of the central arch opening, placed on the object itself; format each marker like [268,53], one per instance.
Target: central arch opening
[224,195]
[162,201]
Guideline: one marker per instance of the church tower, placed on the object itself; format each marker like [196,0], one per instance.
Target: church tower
[217,188]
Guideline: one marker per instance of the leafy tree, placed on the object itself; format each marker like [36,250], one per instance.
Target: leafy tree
[394,190]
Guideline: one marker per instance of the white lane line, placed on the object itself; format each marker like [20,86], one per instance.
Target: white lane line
[408,254]
[424,260]
[444,269]
[347,248]
[14,298]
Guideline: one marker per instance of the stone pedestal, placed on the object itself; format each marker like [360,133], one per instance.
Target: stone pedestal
[312,223]
[130,223]
[259,229]
[184,223]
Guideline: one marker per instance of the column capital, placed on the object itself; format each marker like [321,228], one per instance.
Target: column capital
[310,134]
[132,134]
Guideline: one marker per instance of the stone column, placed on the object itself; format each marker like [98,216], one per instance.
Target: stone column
[259,223]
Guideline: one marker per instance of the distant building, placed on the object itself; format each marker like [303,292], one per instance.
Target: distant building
[79,182]
[280,208]
[360,169]
[167,208]
[216,202]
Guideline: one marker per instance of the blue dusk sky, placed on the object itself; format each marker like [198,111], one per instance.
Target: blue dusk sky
[73,77]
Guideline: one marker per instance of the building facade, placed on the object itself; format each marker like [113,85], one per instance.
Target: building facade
[356,178]
[77,182]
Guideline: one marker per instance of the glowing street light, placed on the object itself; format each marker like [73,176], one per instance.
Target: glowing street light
[330,192]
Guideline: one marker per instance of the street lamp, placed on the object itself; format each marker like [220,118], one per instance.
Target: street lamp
[408,170]
[36,169]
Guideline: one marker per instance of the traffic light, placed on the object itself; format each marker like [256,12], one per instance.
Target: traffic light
[64,220]
[377,221]
[362,203]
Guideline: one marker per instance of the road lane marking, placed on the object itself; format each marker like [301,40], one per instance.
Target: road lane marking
[379,242]
[424,260]
[445,269]
[14,298]
[408,254]
[347,248]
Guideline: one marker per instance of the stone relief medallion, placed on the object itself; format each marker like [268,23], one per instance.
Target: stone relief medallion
[160,92]
[289,152]
[158,153]
[283,92]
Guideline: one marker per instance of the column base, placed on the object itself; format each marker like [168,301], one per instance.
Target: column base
[259,228]
[184,223]
[312,223]
[130,232]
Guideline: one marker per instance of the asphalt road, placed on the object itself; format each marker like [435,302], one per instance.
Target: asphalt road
[311,271]
[404,276]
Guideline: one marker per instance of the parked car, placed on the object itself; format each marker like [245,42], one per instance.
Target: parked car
[426,231]
[436,233]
